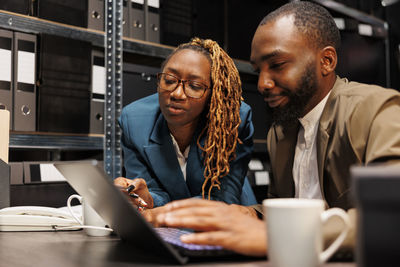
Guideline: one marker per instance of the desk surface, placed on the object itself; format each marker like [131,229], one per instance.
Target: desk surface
[75,248]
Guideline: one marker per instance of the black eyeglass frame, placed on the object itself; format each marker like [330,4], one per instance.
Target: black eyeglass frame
[159,75]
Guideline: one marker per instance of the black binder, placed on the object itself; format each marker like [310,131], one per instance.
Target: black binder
[4,184]
[6,47]
[96,14]
[138,81]
[98,92]
[16,173]
[126,30]
[72,12]
[25,7]
[153,21]
[136,19]
[64,91]
[24,82]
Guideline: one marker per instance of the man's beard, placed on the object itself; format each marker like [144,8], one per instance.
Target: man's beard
[298,99]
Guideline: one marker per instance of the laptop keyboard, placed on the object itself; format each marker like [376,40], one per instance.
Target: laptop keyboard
[172,236]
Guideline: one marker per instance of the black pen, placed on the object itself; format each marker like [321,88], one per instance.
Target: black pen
[134,195]
[129,190]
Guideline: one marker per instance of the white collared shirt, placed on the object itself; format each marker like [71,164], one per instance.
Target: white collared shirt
[305,165]
[182,158]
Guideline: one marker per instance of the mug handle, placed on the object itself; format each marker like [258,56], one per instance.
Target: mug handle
[327,253]
[71,197]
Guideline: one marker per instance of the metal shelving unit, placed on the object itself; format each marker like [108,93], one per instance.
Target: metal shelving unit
[109,142]
[377,28]
[56,141]
[17,22]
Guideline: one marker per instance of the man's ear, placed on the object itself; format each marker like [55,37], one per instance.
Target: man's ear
[328,60]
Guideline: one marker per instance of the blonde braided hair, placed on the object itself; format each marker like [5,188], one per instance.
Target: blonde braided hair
[223,118]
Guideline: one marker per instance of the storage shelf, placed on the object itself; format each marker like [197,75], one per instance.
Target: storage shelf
[353,13]
[56,141]
[29,24]
[18,22]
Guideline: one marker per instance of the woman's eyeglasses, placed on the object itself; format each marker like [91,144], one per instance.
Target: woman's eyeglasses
[169,82]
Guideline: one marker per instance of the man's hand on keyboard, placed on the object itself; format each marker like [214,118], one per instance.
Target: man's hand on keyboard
[217,224]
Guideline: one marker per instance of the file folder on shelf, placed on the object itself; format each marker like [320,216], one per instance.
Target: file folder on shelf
[153,21]
[4,168]
[125,18]
[72,12]
[24,89]
[138,81]
[4,134]
[16,173]
[98,92]
[41,172]
[137,19]
[4,184]
[64,91]
[6,39]
[18,6]
[96,14]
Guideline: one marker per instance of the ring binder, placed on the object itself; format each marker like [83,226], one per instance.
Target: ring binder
[96,14]
[6,39]
[24,90]
[64,94]
[98,92]
[136,19]
[153,21]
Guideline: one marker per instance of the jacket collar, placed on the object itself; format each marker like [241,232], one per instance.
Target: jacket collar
[325,126]
[284,156]
[168,169]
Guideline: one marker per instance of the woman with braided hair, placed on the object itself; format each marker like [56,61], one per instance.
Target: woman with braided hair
[194,137]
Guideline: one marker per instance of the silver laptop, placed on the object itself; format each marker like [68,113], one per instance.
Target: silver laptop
[92,183]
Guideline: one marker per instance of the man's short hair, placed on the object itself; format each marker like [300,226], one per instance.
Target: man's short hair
[312,20]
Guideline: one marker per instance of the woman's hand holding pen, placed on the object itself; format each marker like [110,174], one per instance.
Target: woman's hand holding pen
[137,191]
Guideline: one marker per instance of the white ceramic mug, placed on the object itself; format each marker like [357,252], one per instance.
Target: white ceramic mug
[294,231]
[90,217]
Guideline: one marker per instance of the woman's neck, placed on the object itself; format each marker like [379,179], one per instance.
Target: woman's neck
[183,134]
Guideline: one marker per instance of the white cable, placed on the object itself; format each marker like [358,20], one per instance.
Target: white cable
[56,227]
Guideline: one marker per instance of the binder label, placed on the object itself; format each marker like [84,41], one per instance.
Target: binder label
[26,67]
[99,80]
[5,67]
[153,3]
[138,2]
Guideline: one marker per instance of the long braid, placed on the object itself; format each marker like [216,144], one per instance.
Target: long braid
[223,118]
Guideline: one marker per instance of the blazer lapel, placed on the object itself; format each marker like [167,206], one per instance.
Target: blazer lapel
[322,144]
[194,170]
[195,166]
[286,144]
[325,125]
[162,157]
